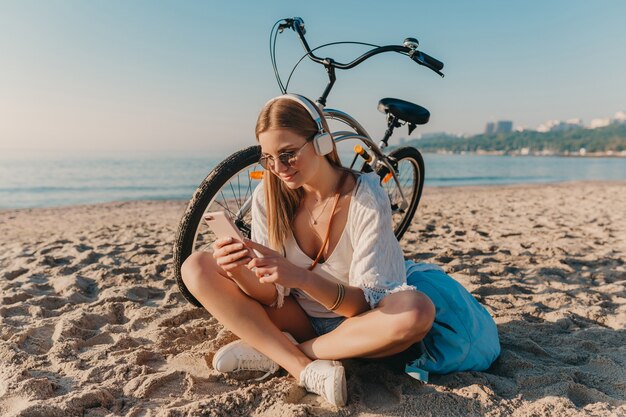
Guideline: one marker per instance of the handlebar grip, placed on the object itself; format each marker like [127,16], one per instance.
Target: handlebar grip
[435,63]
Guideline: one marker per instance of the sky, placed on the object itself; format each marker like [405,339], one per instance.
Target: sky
[192,75]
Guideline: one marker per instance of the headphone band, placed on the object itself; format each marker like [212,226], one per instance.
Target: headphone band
[313,110]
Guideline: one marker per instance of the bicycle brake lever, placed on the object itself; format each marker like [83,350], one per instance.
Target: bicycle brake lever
[298,21]
[287,25]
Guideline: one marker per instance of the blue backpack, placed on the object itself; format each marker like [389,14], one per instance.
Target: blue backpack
[464,336]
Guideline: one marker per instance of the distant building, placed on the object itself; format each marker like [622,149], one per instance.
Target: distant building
[559,125]
[574,123]
[620,117]
[596,123]
[501,126]
[547,126]
[504,126]
[434,135]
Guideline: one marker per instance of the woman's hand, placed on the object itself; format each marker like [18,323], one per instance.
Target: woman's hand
[230,254]
[273,267]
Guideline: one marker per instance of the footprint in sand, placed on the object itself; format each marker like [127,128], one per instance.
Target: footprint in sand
[51,261]
[146,295]
[19,310]
[47,249]
[14,405]
[15,298]
[581,395]
[82,247]
[14,273]
[51,303]
[85,326]
[444,259]
[69,285]
[156,385]
[36,341]
[181,317]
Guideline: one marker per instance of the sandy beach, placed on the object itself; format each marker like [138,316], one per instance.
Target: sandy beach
[92,323]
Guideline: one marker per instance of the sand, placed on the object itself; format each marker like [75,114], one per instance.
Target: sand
[92,324]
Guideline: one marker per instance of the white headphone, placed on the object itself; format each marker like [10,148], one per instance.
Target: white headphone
[323,141]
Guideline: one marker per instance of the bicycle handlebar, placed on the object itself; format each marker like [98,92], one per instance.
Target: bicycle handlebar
[297,25]
[423,58]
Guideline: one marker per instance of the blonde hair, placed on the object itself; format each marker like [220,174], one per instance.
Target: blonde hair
[281,202]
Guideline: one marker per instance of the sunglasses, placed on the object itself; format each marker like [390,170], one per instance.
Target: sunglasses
[288,158]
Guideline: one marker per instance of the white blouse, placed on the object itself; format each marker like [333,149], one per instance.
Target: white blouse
[367,256]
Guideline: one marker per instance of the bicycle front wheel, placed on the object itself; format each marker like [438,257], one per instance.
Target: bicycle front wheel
[409,166]
[228,187]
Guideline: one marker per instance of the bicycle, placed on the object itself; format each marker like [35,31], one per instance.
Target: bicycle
[222,189]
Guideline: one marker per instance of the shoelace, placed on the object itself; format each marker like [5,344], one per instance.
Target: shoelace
[251,363]
[315,382]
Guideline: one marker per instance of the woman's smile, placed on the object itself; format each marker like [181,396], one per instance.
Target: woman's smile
[288,177]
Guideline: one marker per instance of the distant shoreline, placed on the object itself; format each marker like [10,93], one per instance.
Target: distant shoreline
[603,142]
[520,154]
[427,189]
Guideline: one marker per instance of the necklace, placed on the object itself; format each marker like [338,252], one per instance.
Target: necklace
[313,218]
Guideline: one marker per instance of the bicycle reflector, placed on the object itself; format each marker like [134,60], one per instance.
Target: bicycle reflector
[387,178]
[256,175]
[359,150]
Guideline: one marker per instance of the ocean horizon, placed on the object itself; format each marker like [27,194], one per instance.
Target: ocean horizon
[49,179]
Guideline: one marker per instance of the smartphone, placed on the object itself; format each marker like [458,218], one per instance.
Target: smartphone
[222,225]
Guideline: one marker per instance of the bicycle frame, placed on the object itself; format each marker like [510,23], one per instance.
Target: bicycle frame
[362,135]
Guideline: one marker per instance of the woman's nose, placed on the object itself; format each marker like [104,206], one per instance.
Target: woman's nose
[279,166]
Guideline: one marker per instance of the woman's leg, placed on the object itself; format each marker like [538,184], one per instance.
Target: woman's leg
[400,320]
[243,315]
[292,319]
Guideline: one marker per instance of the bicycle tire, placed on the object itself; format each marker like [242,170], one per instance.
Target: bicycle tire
[398,159]
[201,201]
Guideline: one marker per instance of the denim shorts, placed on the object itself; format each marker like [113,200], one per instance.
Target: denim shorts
[323,325]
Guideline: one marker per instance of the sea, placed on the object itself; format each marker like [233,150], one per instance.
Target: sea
[49,179]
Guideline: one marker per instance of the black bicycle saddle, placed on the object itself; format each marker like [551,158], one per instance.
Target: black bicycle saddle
[404,110]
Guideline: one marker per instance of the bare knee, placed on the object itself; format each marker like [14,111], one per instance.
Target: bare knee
[413,317]
[197,270]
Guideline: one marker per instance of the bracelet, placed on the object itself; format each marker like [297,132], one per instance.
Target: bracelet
[341,292]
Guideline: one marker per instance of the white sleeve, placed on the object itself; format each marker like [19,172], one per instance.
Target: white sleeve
[259,234]
[377,262]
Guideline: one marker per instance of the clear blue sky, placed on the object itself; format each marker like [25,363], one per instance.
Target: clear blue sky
[161,75]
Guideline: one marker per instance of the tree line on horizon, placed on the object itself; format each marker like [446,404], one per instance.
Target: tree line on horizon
[609,138]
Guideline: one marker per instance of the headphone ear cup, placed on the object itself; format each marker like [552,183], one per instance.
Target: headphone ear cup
[323,144]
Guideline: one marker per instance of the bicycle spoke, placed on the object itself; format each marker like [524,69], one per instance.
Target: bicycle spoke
[249,185]
[230,184]
[239,190]
[225,207]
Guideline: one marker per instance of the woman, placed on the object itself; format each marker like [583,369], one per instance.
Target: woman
[330,282]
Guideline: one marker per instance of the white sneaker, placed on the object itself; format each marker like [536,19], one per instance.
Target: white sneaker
[240,356]
[326,378]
